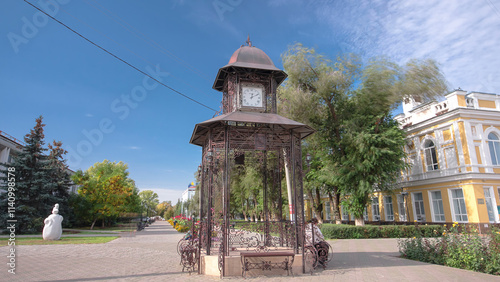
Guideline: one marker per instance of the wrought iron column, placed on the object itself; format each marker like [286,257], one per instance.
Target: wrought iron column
[209,206]
[280,200]
[200,213]
[225,225]
[266,209]
[294,189]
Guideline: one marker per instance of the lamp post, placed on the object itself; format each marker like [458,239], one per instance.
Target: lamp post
[308,163]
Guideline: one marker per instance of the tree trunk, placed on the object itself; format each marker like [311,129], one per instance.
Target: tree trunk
[311,199]
[360,221]
[336,205]
[92,226]
[318,206]
[332,209]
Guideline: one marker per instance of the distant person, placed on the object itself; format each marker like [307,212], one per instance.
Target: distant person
[319,240]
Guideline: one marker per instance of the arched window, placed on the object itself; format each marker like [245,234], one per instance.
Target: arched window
[430,156]
[494,144]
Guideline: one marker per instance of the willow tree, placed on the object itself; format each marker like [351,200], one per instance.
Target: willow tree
[358,146]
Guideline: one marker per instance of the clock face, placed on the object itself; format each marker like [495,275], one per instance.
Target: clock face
[251,97]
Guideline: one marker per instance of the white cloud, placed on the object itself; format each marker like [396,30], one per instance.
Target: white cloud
[463,36]
[165,194]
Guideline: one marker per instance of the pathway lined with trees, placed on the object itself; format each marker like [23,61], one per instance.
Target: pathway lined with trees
[152,255]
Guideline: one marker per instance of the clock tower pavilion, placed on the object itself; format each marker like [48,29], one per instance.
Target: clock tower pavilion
[250,126]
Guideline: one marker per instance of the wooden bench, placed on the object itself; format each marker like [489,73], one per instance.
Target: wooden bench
[266,264]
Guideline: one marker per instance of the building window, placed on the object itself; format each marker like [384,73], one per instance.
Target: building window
[430,156]
[494,144]
[375,209]
[489,200]
[345,214]
[365,214]
[418,206]
[389,212]
[458,202]
[401,208]
[437,206]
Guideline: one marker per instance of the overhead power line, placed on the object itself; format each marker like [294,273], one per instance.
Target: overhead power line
[138,55]
[120,59]
[144,37]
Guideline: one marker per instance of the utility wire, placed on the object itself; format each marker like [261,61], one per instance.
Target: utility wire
[144,59]
[120,59]
[145,38]
[493,7]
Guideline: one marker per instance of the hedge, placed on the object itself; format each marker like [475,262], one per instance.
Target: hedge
[342,231]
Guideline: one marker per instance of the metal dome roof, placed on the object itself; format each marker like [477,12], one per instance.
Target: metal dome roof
[248,57]
[251,57]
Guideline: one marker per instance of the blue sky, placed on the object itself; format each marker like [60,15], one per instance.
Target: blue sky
[100,108]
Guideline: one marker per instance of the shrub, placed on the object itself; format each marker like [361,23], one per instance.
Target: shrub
[465,250]
[341,231]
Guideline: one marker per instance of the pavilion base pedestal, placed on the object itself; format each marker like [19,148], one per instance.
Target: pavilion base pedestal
[233,267]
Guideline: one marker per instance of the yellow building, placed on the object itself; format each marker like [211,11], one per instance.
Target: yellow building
[454,149]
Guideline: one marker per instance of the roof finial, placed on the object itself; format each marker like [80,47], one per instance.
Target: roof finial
[249,43]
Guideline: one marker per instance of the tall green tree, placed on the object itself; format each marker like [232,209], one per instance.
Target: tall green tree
[162,207]
[38,182]
[60,178]
[108,190]
[149,200]
[29,167]
[358,146]
[317,93]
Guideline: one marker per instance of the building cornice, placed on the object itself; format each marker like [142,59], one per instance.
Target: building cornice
[451,178]
[493,115]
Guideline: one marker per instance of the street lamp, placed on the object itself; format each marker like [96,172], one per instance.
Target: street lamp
[308,159]
[210,156]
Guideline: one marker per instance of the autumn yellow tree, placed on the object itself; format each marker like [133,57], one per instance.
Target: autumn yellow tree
[107,189]
[162,208]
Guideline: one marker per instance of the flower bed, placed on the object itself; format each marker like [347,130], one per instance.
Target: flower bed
[466,250]
[182,223]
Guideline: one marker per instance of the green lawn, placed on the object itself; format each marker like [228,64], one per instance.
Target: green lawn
[112,228]
[88,232]
[63,240]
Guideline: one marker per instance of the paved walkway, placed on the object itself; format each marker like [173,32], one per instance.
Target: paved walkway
[151,255]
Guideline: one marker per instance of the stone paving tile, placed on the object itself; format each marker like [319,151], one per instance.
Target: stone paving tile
[151,255]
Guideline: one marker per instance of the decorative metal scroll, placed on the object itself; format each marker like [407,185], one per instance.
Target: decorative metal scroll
[262,236]
[189,250]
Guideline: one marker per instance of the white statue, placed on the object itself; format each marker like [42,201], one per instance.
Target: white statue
[53,228]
